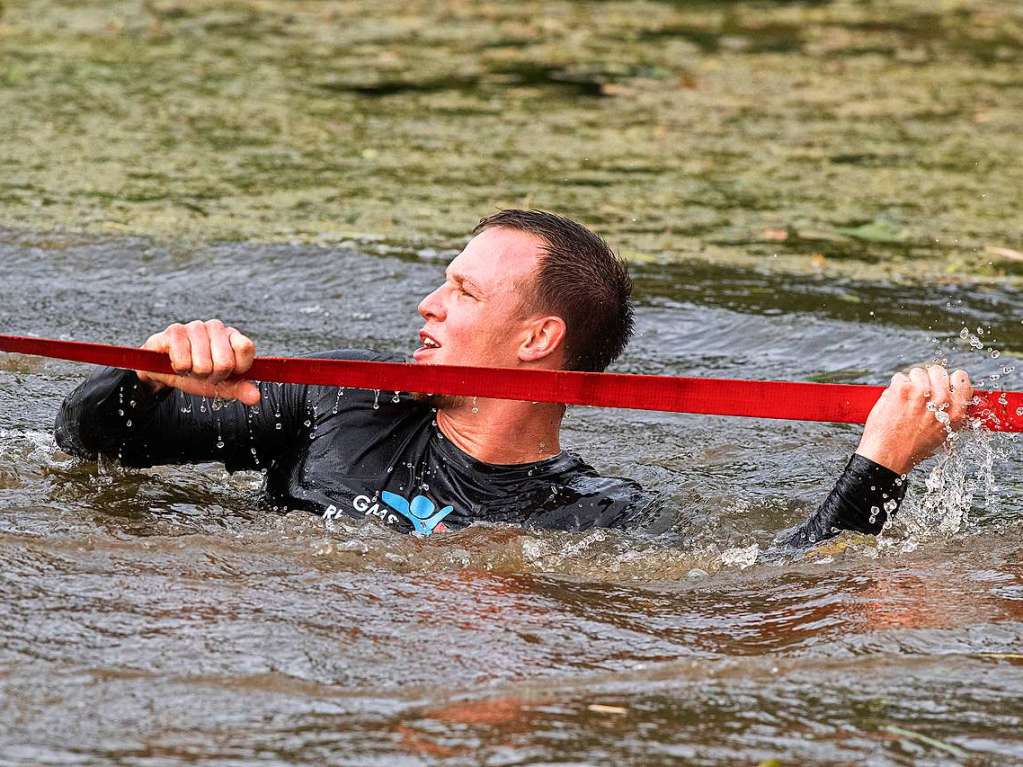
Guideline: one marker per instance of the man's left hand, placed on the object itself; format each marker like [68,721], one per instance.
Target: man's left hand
[904,427]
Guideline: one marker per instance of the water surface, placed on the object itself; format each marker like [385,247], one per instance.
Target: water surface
[165,616]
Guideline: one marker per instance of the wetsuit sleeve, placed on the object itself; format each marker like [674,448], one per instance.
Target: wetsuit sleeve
[863,498]
[114,415]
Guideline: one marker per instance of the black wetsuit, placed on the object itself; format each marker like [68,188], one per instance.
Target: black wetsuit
[362,453]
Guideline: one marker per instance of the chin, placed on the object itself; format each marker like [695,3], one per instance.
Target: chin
[440,401]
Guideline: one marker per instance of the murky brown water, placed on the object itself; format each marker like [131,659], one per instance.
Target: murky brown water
[810,191]
[164,616]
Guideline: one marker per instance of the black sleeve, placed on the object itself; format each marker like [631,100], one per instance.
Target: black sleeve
[114,415]
[862,499]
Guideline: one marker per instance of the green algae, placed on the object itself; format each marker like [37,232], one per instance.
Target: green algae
[883,140]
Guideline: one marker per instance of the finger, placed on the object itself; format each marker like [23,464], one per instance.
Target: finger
[221,353]
[179,348]
[156,342]
[921,383]
[939,385]
[245,392]
[202,361]
[900,387]
[244,350]
[962,387]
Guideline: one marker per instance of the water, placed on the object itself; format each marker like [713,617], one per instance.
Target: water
[809,191]
[161,616]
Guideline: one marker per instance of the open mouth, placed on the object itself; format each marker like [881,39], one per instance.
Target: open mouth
[428,342]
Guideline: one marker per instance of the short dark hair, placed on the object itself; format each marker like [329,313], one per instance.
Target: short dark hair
[582,281]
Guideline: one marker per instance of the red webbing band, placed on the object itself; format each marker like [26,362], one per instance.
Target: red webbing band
[839,403]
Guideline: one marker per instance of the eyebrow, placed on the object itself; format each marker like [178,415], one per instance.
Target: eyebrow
[464,281]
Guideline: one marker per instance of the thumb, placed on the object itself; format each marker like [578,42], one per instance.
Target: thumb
[245,392]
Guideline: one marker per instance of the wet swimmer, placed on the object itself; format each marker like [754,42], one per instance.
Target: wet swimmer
[530,290]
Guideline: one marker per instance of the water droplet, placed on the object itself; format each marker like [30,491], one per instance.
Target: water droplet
[1019,411]
[475,405]
[964,333]
[396,398]
[1002,399]
[307,422]
[128,423]
[220,444]
[376,399]
[279,426]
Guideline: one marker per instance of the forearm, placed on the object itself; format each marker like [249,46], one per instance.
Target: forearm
[863,498]
[115,415]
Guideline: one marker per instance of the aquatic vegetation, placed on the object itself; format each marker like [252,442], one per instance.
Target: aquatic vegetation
[883,142]
[808,190]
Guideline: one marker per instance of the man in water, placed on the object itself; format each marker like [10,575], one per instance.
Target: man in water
[531,290]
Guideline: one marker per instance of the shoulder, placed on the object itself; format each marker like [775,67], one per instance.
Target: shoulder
[587,499]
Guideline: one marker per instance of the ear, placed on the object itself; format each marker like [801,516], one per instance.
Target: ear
[545,336]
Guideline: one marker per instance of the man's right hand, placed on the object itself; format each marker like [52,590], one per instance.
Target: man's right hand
[204,356]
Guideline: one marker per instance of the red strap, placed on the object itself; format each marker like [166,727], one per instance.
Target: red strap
[840,403]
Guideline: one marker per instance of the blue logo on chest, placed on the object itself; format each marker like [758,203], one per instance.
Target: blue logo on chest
[420,512]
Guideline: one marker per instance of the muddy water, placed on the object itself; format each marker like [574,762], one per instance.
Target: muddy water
[809,191]
[164,616]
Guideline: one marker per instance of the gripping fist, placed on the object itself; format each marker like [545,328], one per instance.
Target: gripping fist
[914,416]
[204,356]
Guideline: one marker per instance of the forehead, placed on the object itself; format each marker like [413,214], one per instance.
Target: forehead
[498,255]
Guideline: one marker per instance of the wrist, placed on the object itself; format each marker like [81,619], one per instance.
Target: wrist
[892,460]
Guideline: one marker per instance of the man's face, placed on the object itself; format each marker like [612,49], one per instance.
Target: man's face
[476,317]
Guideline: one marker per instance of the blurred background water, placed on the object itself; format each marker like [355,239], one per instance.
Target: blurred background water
[807,191]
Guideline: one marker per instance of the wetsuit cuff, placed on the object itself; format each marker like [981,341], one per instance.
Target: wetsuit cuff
[863,498]
[870,493]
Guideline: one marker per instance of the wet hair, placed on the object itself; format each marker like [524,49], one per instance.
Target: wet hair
[580,280]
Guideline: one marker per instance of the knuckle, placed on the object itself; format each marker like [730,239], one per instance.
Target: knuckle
[214,324]
[195,325]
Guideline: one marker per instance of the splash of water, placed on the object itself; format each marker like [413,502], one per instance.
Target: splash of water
[964,470]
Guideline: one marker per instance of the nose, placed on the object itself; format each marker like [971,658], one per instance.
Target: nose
[432,307]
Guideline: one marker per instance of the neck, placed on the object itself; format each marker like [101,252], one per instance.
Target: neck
[503,431]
